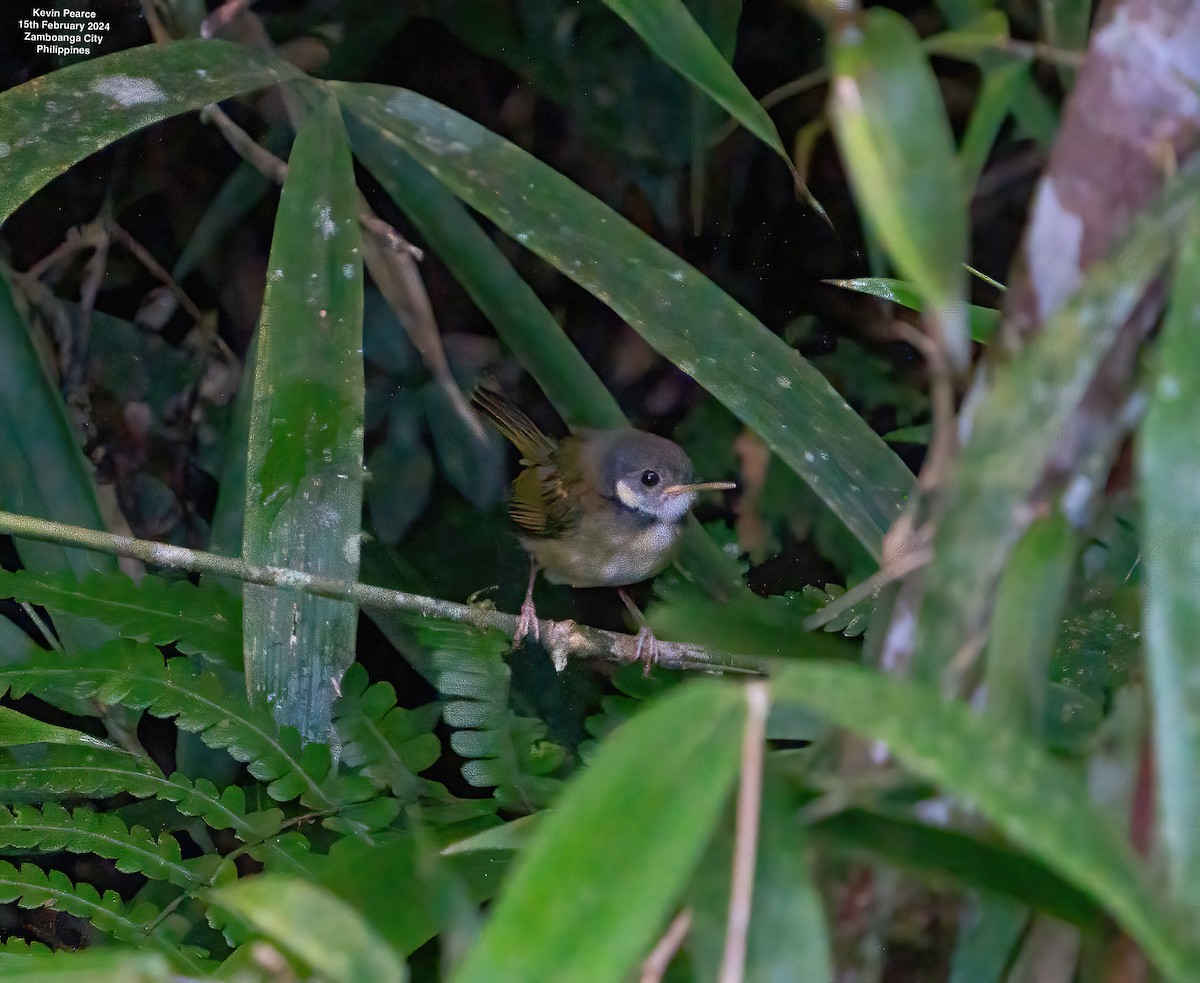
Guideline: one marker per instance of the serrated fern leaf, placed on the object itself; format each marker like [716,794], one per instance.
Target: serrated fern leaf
[134,675]
[134,851]
[40,773]
[506,751]
[197,618]
[30,887]
[387,744]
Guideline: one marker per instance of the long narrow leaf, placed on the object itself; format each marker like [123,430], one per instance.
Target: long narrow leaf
[1026,412]
[54,121]
[898,150]
[677,310]
[1037,802]
[1170,463]
[304,481]
[594,888]
[672,33]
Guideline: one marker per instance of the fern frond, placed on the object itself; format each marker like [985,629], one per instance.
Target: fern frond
[30,887]
[387,744]
[135,851]
[507,751]
[198,618]
[133,675]
[40,773]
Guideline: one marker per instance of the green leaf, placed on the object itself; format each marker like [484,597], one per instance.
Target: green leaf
[197,618]
[304,475]
[133,675]
[389,744]
[519,317]
[939,855]
[52,828]
[1002,84]
[1169,462]
[56,120]
[898,151]
[1027,620]
[673,34]
[503,750]
[16,728]
[47,476]
[36,773]
[313,926]
[787,937]
[424,892]
[595,887]
[986,943]
[87,966]
[29,887]
[1019,421]
[983,320]
[1037,802]
[677,310]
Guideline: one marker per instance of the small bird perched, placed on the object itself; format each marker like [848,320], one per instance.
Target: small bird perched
[598,508]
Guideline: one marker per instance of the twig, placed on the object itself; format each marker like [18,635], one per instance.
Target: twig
[745,847]
[142,255]
[564,639]
[661,955]
[391,261]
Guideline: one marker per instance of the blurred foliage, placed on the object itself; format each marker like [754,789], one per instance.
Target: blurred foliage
[446,808]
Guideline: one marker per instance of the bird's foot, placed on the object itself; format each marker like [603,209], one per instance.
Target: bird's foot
[647,649]
[527,624]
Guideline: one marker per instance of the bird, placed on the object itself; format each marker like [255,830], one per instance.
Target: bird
[596,508]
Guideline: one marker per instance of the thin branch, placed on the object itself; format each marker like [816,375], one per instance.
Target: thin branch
[142,255]
[745,848]
[565,640]
[661,955]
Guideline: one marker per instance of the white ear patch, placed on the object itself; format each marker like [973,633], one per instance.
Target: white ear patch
[628,496]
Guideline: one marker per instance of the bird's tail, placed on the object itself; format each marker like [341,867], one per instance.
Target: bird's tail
[510,420]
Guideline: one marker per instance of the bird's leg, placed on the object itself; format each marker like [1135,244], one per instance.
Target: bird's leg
[527,623]
[647,644]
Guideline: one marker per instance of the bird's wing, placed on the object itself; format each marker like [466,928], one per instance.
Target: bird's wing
[545,502]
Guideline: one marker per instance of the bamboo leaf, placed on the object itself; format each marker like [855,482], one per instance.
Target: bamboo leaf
[1027,620]
[898,151]
[672,33]
[676,309]
[1026,411]
[521,320]
[48,476]
[983,320]
[304,479]
[1169,463]
[314,926]
[594,888]
[56,120]
[87,966]
[1039,803]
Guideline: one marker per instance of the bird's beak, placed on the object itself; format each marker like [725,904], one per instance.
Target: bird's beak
[672,490]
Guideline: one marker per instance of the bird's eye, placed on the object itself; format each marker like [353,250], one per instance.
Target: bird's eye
[649,478]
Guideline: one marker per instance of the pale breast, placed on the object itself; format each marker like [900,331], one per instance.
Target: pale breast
[593,556]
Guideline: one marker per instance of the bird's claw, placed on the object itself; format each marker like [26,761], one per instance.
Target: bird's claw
[647,649]
[527,624]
